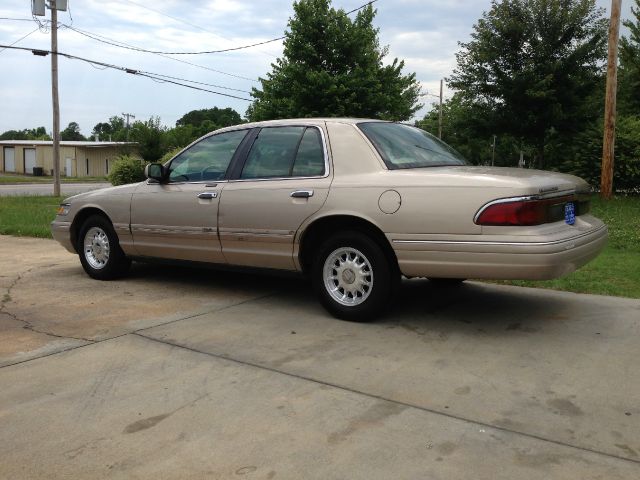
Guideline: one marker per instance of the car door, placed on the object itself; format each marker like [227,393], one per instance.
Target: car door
[178,219]
[284,179]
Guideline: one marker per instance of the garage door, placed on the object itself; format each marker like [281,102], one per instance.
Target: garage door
[29,160]
[9,159]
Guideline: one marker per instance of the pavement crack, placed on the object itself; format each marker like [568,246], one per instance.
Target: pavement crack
[26,324]
[96,342]
[209,312]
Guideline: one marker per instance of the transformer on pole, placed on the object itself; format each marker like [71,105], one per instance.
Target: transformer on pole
[38,6]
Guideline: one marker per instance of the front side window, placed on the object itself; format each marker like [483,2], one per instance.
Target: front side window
[404,146]
[280,152]
[206,160]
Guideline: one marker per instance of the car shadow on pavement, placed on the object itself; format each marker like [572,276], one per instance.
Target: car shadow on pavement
[485,308]
[164,275]
[476,307]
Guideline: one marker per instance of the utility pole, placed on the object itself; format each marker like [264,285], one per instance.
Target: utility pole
[440,113]
[608,142]
[493,151]
[55,99]
[38,7]
[128,115]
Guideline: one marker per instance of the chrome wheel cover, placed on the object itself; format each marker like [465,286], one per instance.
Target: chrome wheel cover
[96,248]
[348,276]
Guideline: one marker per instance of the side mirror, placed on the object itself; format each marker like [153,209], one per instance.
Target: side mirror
[155,171]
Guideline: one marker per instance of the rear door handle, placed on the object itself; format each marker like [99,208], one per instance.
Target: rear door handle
[208,195]
[302,194]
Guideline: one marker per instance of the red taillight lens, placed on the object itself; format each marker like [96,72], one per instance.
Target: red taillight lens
[521,212]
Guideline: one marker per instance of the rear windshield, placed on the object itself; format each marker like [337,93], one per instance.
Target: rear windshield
[404,146]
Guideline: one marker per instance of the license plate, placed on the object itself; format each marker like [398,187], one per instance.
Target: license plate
[570,213]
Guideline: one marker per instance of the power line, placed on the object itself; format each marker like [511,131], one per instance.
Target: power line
[142,73]
[139,49]
[77,30]
[185,22]
[198,83]
[17,19]
[360,7]
[20,39]
[203,52]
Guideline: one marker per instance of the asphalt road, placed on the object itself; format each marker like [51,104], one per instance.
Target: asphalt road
[41,189]
[180,373]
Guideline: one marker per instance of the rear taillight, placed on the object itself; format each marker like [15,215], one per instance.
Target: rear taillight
[525,211]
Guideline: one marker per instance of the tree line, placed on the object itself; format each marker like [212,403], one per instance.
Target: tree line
[154,139]
[529,84]
[533,75]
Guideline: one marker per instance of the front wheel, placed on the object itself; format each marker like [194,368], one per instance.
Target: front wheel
[352,277]
[99,250]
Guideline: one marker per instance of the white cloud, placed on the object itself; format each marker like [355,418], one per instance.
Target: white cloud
[422,32]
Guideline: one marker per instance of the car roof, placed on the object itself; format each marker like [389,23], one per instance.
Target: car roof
[300,121]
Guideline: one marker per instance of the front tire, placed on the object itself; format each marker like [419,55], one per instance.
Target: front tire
[99,250]
[352,277]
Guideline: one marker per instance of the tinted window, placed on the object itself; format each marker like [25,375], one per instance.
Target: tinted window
[280,152]
[403,146]
[206,160]
[310,158]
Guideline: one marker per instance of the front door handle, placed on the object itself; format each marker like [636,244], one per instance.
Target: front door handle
[208,195]
[302,194]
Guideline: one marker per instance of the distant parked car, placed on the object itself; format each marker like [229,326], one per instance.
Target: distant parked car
[353,204]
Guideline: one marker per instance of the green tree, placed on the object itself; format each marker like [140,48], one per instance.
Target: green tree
[531,66]
[583,155]
[464,127]
[218,118]
[150,137]
[113,130]
[333,66]
[181,136]
[39,133]
[629,73]
[72,132]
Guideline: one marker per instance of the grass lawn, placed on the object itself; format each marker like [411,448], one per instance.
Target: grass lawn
[615,272]
[28,216]
[9,179]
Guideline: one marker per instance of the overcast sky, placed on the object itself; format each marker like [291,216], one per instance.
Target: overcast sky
[422,32]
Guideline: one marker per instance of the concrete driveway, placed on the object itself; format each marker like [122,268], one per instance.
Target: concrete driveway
[179,373]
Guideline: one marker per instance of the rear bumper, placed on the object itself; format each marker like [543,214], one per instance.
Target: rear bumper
[61,232]
[487,257]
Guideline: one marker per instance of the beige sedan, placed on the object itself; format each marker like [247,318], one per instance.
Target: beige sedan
[353,204]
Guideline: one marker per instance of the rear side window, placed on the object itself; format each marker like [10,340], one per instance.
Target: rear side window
[404,146]
[280,152]
[310,158]
[206,160]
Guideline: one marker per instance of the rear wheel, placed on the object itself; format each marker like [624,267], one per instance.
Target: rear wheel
[99,250]
[352,277]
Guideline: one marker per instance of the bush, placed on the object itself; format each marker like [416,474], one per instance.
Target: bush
[126,169]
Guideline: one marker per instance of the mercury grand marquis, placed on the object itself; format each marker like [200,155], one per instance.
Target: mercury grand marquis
[353,204]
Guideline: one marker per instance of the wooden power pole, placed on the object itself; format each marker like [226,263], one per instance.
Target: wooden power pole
[608,143]
[54,97]
[440,112]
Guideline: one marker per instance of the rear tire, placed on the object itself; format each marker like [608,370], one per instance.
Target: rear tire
[353,278]
[99,250]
